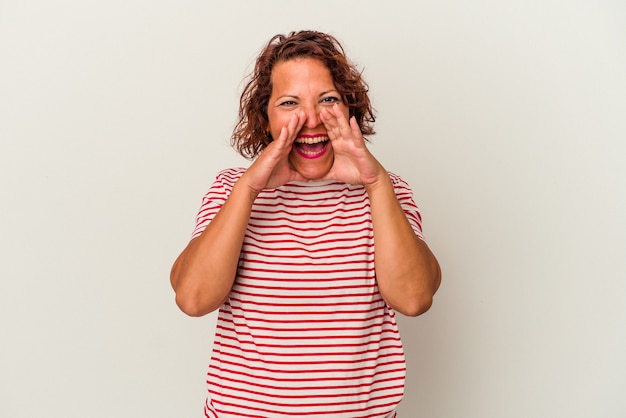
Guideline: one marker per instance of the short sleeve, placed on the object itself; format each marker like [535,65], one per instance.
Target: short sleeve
[404,194]
[215,198]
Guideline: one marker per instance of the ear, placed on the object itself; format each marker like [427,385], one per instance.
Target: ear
[266,129]
[267,134]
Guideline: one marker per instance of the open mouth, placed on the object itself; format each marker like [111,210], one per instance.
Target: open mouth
[311,146]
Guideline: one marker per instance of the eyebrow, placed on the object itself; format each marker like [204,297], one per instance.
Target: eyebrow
[293,96]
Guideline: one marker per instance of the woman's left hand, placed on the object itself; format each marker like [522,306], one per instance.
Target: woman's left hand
[407,273]
[353,164]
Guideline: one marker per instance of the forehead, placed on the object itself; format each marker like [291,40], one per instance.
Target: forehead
[300,70]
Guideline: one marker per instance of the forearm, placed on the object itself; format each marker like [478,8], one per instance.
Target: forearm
[407,272]
[204,273]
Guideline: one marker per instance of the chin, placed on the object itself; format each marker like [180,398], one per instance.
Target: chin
[312,169]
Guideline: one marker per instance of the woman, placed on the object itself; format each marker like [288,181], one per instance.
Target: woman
[285,248]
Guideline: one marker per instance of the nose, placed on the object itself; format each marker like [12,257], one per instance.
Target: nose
[312,117]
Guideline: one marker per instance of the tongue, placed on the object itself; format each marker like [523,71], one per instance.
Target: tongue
[312,148]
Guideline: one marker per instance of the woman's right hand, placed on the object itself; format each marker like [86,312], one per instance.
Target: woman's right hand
[272,168]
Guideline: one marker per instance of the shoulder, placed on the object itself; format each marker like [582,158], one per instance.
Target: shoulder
[223,183]
[398,182]
[229,176]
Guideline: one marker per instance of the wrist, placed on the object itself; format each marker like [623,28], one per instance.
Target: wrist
[382,181]
[245,190]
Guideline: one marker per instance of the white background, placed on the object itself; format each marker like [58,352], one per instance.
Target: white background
[508,118]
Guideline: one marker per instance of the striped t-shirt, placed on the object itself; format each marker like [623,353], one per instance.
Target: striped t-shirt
[305,331]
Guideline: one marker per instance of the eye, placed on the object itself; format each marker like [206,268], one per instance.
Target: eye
[287,103]
[330,100]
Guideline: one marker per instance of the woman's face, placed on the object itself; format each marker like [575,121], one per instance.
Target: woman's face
[304,85]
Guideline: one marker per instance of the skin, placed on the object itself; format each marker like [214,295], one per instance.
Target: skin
[304,102]
[304,88]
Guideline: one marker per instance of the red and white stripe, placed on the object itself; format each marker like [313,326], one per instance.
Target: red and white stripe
[305,331]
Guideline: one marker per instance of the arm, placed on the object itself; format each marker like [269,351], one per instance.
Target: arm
[203,274]
[407,272]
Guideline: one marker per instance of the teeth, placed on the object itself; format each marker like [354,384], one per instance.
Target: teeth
[312,140]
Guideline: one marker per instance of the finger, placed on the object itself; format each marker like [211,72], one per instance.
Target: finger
[295,124]
[346,125]
[327,115]
[338,113]
[346,128]
[289,132]
[330,123]
[356,129]
[282,137]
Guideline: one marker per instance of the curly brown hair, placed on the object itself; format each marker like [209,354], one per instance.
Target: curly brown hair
[250,137]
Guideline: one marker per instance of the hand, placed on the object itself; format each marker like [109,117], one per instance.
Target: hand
[353,164]
[272,169]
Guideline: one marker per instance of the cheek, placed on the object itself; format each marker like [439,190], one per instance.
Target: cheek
[275,124]
[345,110]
